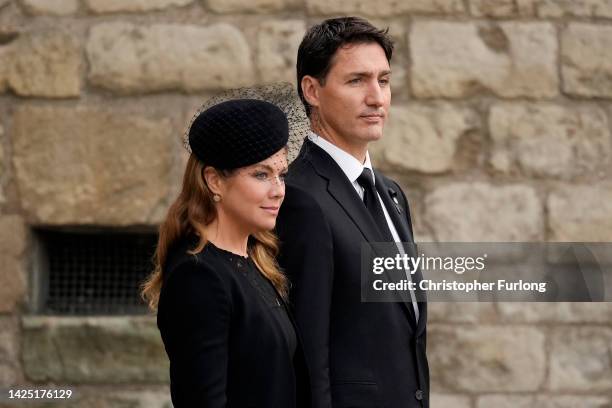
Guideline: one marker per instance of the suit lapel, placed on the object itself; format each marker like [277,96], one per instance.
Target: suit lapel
[398,215]
[341,189]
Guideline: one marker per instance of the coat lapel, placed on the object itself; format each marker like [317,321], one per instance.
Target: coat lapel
[398,216]
[393,207]
[341,189]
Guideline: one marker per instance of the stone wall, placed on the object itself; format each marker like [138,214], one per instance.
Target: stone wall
[500,131]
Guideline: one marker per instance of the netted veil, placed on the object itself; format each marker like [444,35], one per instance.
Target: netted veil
[280,94]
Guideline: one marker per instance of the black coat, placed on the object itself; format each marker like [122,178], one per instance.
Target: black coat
[359,354]
[225,347]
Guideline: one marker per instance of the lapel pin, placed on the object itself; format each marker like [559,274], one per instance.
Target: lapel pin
[393,195]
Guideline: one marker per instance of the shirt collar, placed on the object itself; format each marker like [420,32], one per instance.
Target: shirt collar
[349,164]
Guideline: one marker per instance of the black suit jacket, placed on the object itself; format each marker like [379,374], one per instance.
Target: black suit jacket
[225,347]
[359,354]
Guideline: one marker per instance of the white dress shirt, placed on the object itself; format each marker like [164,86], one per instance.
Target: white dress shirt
[352,168]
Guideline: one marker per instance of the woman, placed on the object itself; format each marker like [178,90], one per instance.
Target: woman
[219,294]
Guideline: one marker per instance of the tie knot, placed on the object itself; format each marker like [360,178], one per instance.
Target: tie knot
[366,178]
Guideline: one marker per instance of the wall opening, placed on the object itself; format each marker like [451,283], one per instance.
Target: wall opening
[90,271]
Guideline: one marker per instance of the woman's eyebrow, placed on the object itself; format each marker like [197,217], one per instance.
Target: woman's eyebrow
[259,166]
[270,168]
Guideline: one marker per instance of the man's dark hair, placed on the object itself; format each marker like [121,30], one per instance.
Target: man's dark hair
[321,42]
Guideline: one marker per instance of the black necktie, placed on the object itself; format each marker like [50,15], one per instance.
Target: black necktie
[372,203]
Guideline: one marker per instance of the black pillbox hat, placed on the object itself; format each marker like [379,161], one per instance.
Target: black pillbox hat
[238,133]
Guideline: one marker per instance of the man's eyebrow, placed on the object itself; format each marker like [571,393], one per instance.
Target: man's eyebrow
[368,73]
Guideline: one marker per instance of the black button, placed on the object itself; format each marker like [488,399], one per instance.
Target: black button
[239,263]
[418,394]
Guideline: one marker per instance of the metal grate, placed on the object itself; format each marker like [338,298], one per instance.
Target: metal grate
[93,273]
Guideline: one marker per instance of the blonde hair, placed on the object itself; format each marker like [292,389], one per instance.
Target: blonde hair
[194,209]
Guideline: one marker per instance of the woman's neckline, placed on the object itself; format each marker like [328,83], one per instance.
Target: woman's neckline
[225,251]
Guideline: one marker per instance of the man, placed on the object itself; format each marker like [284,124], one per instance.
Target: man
[359,354]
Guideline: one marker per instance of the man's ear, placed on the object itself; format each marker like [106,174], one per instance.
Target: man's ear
[310,88]
[213,180]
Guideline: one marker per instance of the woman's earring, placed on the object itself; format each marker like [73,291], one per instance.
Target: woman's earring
[216,198]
